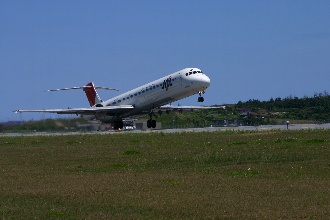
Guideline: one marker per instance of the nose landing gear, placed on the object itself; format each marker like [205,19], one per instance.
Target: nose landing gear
[200,98]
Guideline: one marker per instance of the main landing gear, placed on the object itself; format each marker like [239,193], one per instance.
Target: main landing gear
[118,125]
[200,98]
[151,123]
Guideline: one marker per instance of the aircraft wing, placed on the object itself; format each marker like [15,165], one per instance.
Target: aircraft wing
[85,111]
[170,108]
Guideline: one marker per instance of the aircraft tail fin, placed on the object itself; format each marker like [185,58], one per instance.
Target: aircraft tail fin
[92,96]
[90,90]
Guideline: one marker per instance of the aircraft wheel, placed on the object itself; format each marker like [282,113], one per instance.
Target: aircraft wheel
[118,125]
[153,123]
[121,124]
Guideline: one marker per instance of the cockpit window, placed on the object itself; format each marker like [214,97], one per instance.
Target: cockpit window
[193,72]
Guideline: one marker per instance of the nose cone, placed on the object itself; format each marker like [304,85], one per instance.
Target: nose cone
[196,81]
[206,81]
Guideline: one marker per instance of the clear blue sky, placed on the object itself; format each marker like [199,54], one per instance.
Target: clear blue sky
[249,49]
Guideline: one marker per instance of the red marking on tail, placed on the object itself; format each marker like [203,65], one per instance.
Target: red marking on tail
[90,93]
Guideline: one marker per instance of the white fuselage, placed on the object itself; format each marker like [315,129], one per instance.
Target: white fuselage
[165,90]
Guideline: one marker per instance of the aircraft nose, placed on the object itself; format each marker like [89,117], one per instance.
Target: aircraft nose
[206,81]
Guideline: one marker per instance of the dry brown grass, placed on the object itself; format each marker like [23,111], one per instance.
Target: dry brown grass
[228,175]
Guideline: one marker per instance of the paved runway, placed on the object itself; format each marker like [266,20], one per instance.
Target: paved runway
[207,129]
[248,128]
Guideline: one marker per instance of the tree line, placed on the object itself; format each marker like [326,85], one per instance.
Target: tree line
[306,108]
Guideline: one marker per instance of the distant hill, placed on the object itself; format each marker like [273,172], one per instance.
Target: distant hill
[314,109]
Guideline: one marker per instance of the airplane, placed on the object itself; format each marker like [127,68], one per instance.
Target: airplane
[147,99]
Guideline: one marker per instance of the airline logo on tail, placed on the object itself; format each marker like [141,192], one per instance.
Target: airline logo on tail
[92,96]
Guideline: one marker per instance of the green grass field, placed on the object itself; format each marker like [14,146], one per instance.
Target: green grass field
[222,175]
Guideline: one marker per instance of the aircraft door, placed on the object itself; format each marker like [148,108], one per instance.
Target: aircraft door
[181,80]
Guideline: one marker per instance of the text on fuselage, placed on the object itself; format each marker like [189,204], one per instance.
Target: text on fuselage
[167,83]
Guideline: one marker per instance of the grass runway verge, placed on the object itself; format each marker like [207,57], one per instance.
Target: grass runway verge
[220,175]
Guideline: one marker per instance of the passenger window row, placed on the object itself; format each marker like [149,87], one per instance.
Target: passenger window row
[142,91]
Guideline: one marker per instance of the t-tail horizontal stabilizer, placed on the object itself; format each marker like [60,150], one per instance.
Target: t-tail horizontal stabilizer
[90,90]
